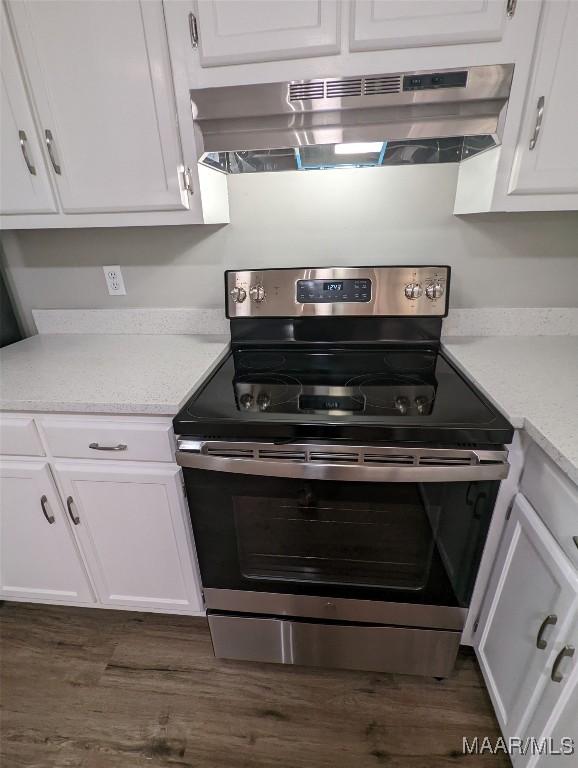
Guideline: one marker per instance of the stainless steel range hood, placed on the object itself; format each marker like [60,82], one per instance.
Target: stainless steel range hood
[408,117]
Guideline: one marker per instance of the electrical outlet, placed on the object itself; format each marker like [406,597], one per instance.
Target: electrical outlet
[114,281]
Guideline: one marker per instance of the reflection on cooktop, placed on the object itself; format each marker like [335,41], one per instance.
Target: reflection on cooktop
[398,383]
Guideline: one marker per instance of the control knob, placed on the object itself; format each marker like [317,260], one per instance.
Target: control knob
[246,401]
[238,295]
[257,293]
[434,291]
[413,291]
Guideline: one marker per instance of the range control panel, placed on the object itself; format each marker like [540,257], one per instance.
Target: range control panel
[382,291]
[314,291]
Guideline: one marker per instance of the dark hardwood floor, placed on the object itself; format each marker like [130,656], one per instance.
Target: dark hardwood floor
[87,688]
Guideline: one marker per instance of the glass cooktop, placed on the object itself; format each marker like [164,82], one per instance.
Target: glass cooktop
[286,392]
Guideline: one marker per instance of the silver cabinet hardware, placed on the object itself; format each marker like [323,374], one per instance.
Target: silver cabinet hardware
[45,511]
[23,139]
[549,621]
[538,126]
[69,506]
[52,151]
[187,180]
[97,447]
[566,653]
[193,30]
[511,8]
[575,540]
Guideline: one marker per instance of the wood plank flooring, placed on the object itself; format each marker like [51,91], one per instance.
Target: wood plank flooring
[88,688]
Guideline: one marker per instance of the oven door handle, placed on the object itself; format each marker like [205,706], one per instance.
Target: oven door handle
[485,465]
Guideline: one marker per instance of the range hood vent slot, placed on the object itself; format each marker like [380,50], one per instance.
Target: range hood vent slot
[307,91]
[373,86]
[341,88]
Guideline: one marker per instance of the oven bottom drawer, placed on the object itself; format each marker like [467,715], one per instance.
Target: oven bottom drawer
[346,646]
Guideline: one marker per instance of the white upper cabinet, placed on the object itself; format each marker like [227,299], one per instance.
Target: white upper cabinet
[547,154]
[24,183]
[39,559]
[101,77]
[383,24]
[531,600]
[242,31]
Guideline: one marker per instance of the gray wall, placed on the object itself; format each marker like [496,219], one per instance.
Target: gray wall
[367,216]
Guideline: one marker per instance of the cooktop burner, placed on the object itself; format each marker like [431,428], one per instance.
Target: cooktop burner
[352,393]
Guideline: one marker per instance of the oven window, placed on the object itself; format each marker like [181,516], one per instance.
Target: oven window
[383,541]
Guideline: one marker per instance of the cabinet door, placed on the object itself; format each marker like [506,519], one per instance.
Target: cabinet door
[24,183]
[239,31]
[547,154]
[564,728]
[383,24]
[39,558]
[101,78]
[132,525]
[532,580]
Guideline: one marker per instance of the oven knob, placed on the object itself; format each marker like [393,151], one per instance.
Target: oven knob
[238,295]
[263,401]
[421,404]
[246,401]
[402,405]
[257,293]
[413,291]
[434,291]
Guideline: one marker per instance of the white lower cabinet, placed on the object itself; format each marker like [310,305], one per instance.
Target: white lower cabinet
[39,557]
[132,524]
[525,625]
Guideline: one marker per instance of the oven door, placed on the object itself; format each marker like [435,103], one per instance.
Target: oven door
[275,536]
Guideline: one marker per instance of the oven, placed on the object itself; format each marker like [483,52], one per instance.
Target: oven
[337,554]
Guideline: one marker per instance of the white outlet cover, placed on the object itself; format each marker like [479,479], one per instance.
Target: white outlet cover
[114,281]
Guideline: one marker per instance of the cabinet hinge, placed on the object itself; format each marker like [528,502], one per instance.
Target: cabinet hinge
[186,180]
[511,8]
[193,30]
[510,508]
[476,624]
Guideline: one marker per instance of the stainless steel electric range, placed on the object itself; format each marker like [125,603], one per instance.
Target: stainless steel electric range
[341,474]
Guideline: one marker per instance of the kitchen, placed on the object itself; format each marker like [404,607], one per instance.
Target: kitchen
[203,310]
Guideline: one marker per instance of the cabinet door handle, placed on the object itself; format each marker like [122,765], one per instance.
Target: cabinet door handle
[45,510]
[69,506]
[52,151]
[97,447]
[538,125]
[23,139]
[566,653]
[549,621]
[193,30]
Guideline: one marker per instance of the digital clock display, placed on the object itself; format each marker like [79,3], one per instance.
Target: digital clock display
[336,286]
[333,291]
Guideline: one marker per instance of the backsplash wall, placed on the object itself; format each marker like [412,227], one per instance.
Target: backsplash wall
[392,215]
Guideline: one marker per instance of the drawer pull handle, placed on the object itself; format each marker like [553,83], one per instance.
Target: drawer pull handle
[566,653]
[97,447]
[549,621]
[73,516]
[45,511]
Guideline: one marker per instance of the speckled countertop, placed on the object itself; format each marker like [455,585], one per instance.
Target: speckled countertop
[100,373]
[533,381]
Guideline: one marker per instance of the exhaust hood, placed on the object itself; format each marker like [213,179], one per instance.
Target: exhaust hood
[436,116]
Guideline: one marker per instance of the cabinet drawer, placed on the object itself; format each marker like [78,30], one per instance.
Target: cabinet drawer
[109,439]
[19,436]
[554,497]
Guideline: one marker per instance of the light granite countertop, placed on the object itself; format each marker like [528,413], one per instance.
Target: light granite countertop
[533,380]
[101,373]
